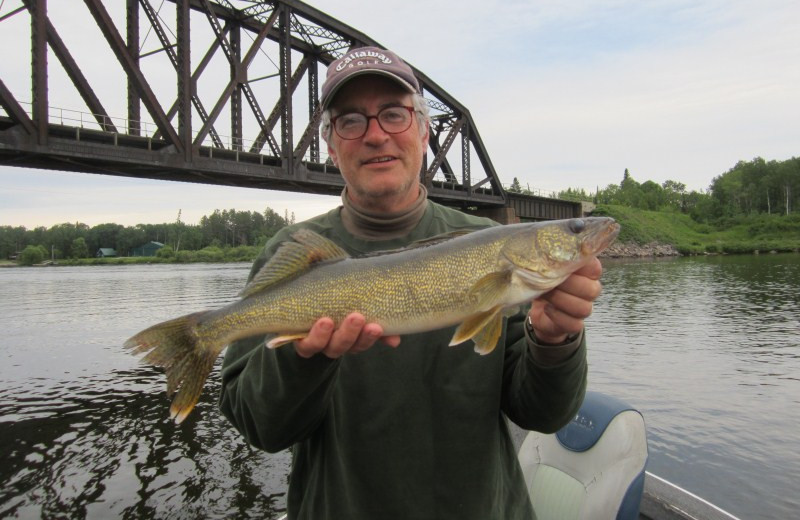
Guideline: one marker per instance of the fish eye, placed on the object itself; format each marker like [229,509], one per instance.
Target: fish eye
[577,225]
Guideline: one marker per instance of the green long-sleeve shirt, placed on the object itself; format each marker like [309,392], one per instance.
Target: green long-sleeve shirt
[416,432]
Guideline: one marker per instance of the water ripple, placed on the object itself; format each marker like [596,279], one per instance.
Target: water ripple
[707,348]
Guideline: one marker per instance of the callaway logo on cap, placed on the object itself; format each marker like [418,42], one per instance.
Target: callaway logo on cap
[367,60]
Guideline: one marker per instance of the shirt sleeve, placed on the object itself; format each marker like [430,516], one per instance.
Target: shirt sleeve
[543,386]
[274,397]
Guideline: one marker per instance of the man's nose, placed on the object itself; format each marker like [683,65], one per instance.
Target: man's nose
[374,131]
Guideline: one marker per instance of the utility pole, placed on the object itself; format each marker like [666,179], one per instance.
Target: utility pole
[178,226]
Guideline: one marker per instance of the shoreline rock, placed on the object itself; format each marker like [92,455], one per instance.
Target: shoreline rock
[653,249]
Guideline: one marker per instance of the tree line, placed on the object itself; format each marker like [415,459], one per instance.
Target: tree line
[221,229]
[750,187]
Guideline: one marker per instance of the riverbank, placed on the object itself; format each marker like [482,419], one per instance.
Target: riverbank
[664,233]
[633,250]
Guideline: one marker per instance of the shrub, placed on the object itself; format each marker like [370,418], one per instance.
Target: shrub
[185,257]
[210,254]
[31,255]
[165,252]
[241,253]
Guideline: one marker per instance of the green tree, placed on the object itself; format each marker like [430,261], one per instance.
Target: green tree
[675,194]
[62,235]
[12,240]
[576,194]
[651,196]
[191,238]
[129,238]
[105,235]
[515,186]
[787,185]
[272,223]
[78,248]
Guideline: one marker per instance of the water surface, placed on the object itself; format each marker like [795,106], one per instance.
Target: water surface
[706,348]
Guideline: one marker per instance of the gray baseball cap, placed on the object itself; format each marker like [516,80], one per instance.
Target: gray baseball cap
[366,60]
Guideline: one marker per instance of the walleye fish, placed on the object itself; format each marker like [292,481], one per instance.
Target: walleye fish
[472,279]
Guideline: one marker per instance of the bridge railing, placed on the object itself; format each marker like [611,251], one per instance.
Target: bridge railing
[84,120]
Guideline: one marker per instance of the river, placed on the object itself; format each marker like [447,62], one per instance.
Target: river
[706,348]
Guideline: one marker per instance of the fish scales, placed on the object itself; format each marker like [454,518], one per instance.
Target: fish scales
[468,280]
[384,289]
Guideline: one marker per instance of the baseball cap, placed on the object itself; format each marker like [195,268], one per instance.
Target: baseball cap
[366,60]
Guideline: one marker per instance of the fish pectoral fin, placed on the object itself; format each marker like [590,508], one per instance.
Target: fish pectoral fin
[474,325]
[283,339]
[490,288]
[293,258]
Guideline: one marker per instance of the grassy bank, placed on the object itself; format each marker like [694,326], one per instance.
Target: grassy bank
[131,260]
[166,255]
[744,234]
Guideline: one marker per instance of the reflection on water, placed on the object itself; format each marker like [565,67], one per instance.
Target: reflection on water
[103,448]
[707,348]
[84,428]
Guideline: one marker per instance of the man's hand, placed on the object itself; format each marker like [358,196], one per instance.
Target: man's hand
[353,335]
[560,312]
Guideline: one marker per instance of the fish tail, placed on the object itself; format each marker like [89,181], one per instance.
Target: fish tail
[186,358]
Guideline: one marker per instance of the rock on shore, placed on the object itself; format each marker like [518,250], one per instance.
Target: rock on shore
[653,249]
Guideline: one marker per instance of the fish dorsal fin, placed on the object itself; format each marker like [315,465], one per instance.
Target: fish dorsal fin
[292,258]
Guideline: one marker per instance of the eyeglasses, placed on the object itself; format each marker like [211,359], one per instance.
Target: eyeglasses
[392,120]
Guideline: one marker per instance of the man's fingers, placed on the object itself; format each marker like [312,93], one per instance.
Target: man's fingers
[353,335]
[562,311]
[391,341]
[592,270]
[345,337]
[575,306]
[317,339]
[563,322]
[579,286]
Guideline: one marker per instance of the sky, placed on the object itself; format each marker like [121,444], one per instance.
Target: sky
[564,95]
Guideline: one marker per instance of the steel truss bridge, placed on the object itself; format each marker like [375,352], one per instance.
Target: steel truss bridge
[230,92]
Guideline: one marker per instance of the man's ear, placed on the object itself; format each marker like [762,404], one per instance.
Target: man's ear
[425,139]
[332,155]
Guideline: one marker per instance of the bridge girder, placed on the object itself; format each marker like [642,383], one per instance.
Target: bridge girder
[253,54]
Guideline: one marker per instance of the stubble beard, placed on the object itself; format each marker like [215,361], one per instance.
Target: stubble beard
[381,196]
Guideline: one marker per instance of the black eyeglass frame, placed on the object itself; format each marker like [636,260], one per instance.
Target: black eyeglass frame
[411,112]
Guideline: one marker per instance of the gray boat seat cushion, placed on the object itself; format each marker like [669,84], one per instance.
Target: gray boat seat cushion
[593,468]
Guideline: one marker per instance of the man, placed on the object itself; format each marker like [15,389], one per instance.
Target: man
[384,427]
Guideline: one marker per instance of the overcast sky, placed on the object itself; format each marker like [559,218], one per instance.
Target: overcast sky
[564,94]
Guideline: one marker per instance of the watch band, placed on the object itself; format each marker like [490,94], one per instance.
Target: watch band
[532,335]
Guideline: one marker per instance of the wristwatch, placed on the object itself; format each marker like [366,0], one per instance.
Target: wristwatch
[532,335]
[529,326]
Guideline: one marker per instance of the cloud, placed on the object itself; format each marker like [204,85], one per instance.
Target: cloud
[564,94]
[686,111]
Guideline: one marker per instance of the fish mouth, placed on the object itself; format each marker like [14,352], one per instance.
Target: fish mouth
[600,236]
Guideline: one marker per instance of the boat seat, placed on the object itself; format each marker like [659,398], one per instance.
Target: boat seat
[593,468]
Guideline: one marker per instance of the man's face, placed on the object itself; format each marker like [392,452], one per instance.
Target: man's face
[381,170]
